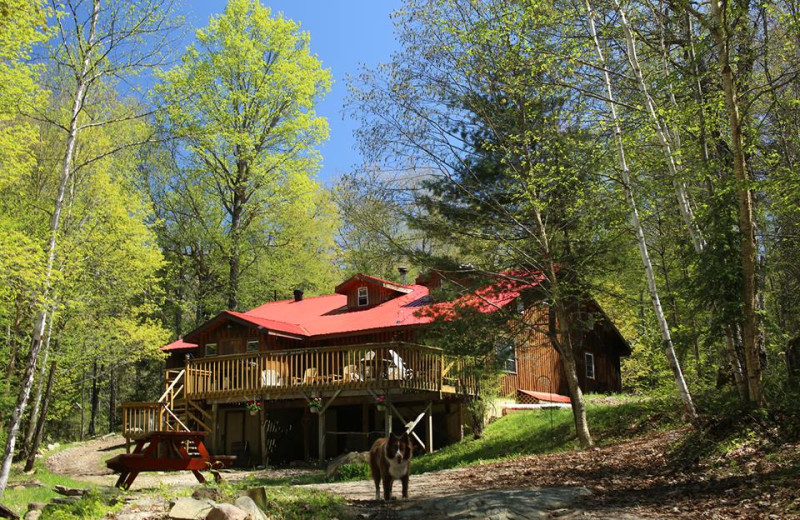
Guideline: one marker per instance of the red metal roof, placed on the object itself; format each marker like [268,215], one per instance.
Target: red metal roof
[178,345]
[327,315]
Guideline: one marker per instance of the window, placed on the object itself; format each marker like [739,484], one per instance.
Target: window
[252,346]
[589,357]
[211,349]
[506,355]
[363,296]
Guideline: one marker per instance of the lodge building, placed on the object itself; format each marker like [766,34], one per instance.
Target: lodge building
[313,377]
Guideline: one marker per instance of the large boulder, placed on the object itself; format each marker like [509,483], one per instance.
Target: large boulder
[227,512]
[191,509]
[246,504]
[353,457]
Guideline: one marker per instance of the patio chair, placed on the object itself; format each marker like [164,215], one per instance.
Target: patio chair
[351,373]
[310,376]
[398,371]
[270,377]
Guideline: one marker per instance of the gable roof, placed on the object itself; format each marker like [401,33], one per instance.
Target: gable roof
[360,279]
[327,315]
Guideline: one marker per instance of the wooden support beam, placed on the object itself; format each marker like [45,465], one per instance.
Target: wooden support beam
[391,407]
[321,437]
[429,428]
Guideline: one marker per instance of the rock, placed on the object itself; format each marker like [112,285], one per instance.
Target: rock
[7,513]
[64,500]
[18,487]
[34,514]
[36,506]
[227,512]
[247,505]
[210,493]
[352,457]
[258,495]
[71,492]
[190,509]
[136,515]
[51,447]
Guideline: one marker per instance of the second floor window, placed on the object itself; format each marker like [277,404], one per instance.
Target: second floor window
[363,297]
[506,355]
[211,349]
[589,357]
[252,346]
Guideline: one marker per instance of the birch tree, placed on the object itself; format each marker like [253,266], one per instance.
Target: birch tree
[95,42]
[666,337]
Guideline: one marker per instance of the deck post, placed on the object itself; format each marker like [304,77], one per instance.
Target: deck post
[215,425]
[262,433]
[365,426]
[321,437]
[460,421]
[387,417]
[429,428]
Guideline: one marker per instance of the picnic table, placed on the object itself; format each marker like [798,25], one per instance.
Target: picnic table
[167,451]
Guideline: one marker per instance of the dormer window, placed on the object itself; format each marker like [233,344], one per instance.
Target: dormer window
[363,297]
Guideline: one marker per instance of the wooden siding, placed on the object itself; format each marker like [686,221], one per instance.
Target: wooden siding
[538,363]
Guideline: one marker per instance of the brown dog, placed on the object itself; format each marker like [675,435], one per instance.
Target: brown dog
[390,460]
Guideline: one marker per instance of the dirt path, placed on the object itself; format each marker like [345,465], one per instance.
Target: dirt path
[87,462]
[641,478]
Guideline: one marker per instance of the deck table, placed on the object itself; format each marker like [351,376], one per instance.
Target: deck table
[166,451]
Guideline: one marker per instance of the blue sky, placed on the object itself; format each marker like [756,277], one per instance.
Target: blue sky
[345,35]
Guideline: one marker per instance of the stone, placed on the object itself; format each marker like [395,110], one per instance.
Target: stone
[227,512]
[353,457]
[36,506]
[19,487]
[51,447]
[136,515]
[33,514]
[71,492]
[210,493]
[191,509]
[247,505]
[64,500]
[259,496]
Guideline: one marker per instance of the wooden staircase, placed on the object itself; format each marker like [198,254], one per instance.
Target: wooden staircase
[173,411]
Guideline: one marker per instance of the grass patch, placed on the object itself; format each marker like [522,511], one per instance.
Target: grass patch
[18,499]
[545,431]
[289,503]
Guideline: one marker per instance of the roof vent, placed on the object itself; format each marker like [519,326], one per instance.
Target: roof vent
[403,270]
[298,295]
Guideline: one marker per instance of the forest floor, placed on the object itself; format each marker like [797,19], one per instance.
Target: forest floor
[660,474]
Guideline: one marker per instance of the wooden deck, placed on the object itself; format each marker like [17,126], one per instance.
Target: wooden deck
[294,374]
[360,367]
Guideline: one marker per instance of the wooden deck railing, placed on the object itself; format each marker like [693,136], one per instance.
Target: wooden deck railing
[141,418]
[385,365]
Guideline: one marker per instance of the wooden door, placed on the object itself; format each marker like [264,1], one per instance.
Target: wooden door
[234,429]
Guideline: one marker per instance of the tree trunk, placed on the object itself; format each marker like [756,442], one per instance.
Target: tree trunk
[562,338]
[735,363]
[666,337]
[744,195]
[237,207]
[94,400]
[39,430]
[112,399]
[34,418]
[662,131]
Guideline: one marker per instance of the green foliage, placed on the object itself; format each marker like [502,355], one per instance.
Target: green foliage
[241,102]
[354,471]
[89,507]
